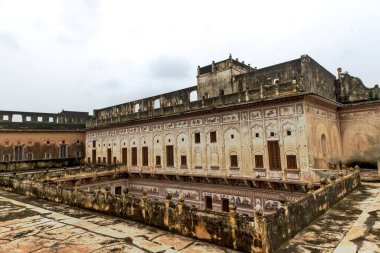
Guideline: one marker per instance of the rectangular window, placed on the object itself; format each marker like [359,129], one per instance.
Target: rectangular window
[30,157]
[134,156]
[169,156]
[93,144]
[78,154]
[183,161]
[213,137]
[291,161]
[158,160]
[259,161]
[197,137]
[234,161]
[124,155]
[99,160]
[88,159]
[145,156]
[114,160]
[47,155]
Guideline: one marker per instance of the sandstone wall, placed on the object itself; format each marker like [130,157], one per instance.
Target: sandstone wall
[243,133]
[323,134]
[36,144]
[360,130]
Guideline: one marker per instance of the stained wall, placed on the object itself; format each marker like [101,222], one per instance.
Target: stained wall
[360,131]
[323,133]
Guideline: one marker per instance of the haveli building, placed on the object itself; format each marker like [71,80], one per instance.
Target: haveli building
[251,136]
[274,128]
[28,138]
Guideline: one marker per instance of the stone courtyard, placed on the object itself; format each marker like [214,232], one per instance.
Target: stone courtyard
[351,225]
[28,224]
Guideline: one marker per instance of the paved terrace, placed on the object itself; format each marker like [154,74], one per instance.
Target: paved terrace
[351,225]
[28,224]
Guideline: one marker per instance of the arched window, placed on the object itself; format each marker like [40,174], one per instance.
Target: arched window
[157,104]
[193,96]
[137,108]
[324,145]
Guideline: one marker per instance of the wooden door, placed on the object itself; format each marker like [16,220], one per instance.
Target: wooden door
[274,155]
[94,156]
[124,155]
[109,156]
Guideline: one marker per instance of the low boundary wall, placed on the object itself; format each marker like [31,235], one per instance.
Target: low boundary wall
[39,164]
[261,233]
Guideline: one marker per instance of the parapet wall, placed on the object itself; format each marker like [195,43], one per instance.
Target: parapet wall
[65,120]
[39,164]
[119,114]
[293,217]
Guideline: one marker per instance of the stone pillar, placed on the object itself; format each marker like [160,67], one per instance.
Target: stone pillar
[232,220]
[108,192]
[167,206]
[181,203]
[260,231]
[143,203]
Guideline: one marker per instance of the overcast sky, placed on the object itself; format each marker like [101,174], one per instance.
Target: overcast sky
[83,55]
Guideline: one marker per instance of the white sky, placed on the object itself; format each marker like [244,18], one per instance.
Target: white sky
[83,54]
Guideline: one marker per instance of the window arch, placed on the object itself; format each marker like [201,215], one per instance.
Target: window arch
[157,104]
[193,96]
[136,108]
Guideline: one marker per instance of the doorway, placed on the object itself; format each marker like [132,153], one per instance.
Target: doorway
[124,155]
[274,155]
[118,190]
[225,205]
[18,153]
[208,202]
[94,156]
[109,156]
[62,151]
